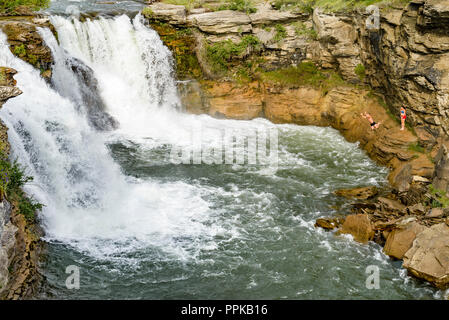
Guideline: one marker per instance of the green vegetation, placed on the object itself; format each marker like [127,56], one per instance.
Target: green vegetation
[182,44]
[12,179]
[238,5]
[360,71]
[305,73]
[281,32]
[20,51]
[221,54]
[416,147]
[307,6]
[440,198]
[302,30]
[147,12]
[189,4]
[10,7]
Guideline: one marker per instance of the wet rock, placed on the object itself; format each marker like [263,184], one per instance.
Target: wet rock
[359,226]
[428,258]
[399,241]
[329,223]
[363,193]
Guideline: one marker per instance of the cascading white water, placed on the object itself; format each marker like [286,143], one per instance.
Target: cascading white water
[85,194]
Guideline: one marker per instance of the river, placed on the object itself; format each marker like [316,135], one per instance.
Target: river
[138,225]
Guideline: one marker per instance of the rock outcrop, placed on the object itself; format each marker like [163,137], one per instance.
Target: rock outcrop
[26,43]
[20,243]
[428,258]
[400,240]
[7,242]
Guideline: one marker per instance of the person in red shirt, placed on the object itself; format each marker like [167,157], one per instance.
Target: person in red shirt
[403,117]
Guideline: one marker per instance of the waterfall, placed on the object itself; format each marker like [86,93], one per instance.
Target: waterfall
[89,203]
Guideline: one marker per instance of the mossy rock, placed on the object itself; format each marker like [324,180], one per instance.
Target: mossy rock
[182,44]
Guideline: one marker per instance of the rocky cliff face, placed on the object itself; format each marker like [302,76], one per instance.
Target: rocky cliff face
[20,242]
[406,57]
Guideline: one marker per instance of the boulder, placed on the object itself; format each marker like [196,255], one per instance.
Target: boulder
[220,22]
[362,193]
[435,213]
[265,14]
[390,205]
[399,241]
[428,258]
[417,209]
[174,14]
[359,226]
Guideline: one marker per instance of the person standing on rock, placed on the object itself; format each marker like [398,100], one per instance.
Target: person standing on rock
[372,123]
[403,117]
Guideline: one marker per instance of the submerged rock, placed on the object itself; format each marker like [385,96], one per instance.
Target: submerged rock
[329,223]
[363,193]
[428,258]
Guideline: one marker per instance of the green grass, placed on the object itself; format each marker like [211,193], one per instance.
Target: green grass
[441,201]
[304,74]
[246,6]
[189,4]
[416,147]
[281,32]
[360,71]
[9,6]
[307,6]
[12,179]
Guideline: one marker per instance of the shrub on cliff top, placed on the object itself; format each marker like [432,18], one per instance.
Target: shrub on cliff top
[220,54]
[9,6]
